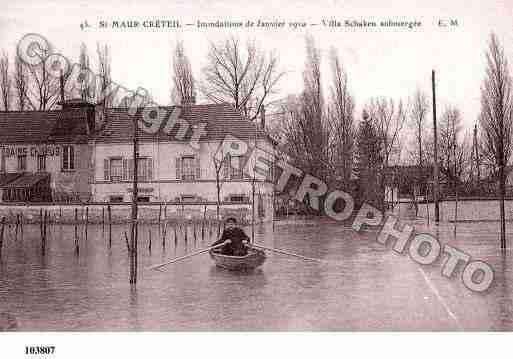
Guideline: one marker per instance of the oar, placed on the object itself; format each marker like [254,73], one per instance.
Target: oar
[157,266]
[286,253]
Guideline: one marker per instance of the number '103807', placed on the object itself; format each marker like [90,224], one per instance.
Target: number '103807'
[39,350]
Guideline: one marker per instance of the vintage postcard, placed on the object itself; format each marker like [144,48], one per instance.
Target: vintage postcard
[218,166]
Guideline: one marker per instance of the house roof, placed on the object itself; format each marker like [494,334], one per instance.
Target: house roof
[71,125]
[407,173]
[43,126]
[220,120]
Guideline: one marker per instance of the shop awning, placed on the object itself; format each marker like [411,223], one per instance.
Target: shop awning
[6,178]
[25,181]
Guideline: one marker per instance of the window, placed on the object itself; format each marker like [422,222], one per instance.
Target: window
[116,169]
[41,163]
[144,169]
[116,199]
[188,168]
[236,167]
[68,158]
[143,199]
[22,163]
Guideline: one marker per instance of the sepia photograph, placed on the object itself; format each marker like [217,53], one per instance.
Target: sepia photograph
[220,168]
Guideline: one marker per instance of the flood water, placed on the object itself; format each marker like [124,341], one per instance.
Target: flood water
[361,285]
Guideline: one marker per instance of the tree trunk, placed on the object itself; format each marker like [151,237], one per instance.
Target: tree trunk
[218,188]
[502,191]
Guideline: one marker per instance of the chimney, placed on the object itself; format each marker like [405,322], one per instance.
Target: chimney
[77,104]
[189,100]
[262,117]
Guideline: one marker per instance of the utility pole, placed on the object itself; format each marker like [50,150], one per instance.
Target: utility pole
[435,134]
[135,192]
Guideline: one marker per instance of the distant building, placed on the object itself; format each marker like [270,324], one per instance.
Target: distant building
[49,153]
[403,182]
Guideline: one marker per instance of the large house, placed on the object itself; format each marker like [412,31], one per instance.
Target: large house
[173,165]
[83,153]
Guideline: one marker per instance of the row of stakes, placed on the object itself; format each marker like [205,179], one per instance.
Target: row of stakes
[206,227]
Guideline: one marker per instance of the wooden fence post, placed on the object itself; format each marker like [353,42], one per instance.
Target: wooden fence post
[86,222]
[2,230]
[77,249]
[109,214]
[203,223]
[149,236]
[41,229]
[21,225]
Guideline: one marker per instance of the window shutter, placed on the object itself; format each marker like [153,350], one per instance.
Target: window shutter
[131,169]
[71,157]
[150,169]
[64,157]
[198,167]
[178,168]
[242,163]
[270,175]
[125,169]
[106,169]
[226,166]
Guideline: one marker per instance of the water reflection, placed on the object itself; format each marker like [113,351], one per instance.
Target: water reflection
[253,279]
[504,296]
[360,285]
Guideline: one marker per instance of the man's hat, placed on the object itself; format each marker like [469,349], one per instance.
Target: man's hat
[231,219]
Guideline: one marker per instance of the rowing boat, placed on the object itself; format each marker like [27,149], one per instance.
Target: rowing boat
[252,260]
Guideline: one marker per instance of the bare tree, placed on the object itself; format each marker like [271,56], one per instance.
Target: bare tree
[305,126]
[20,84]
[86,87]
[418,115]
[43,90]
[5,81]
[389,119]
[104,96]
[242,75]
[341,122]
[496,118]
[184,90]
[221,162]
[452,150]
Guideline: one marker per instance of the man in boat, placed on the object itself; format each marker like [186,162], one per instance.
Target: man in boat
[235,239]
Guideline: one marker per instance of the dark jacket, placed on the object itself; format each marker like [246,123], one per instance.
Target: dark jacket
[236,247]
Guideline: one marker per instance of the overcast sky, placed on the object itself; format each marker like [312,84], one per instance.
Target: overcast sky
[388,63]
